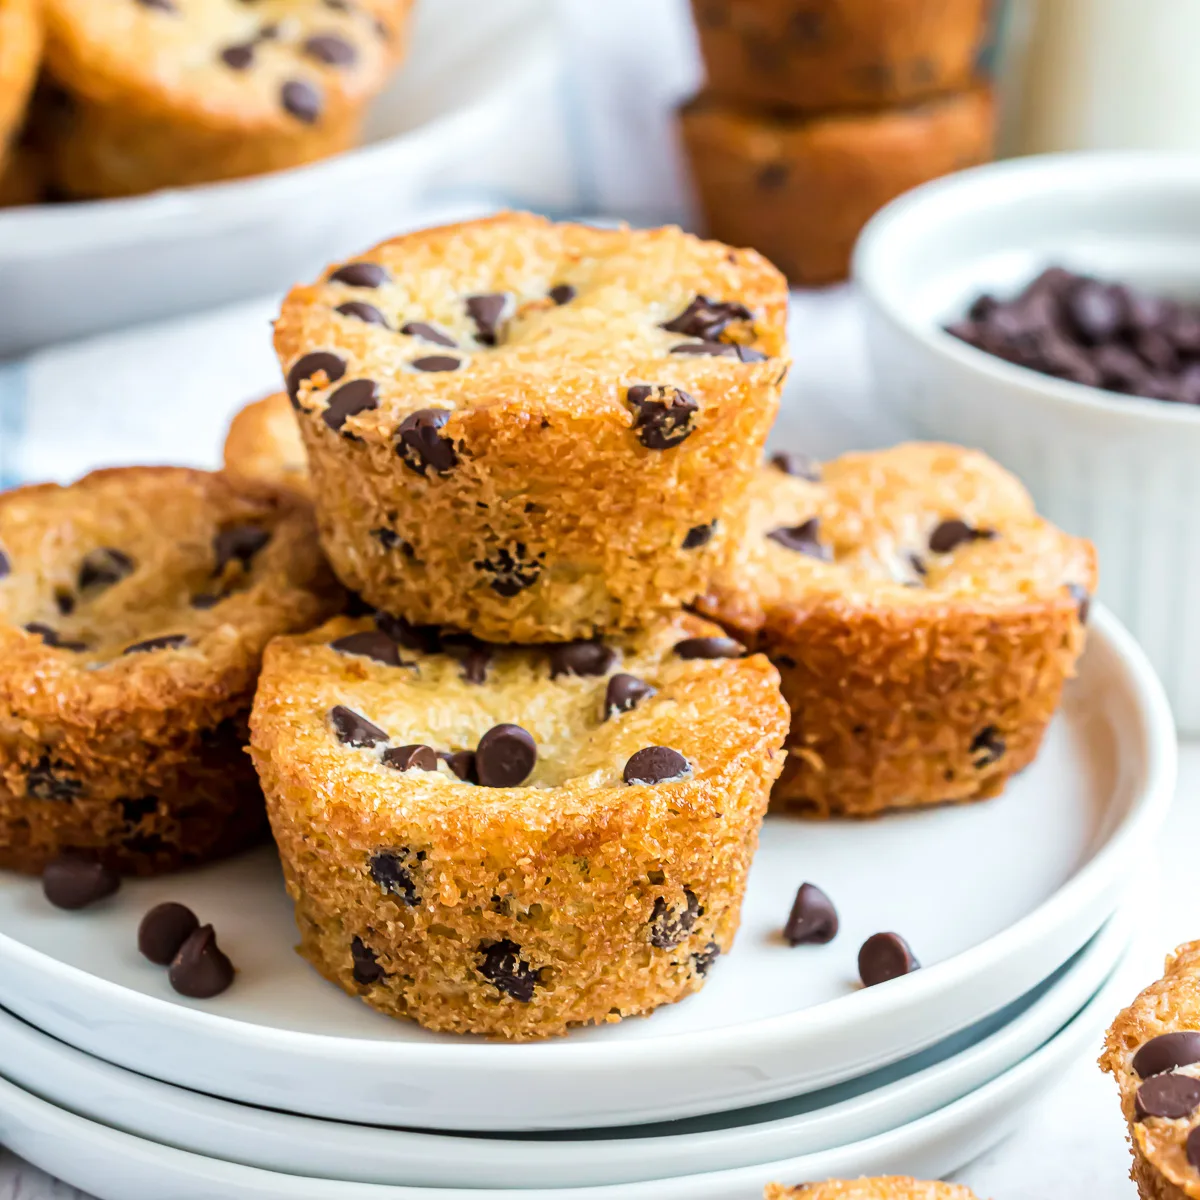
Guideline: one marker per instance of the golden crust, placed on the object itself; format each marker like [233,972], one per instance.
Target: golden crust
[153,104]
[910,682]
[20,53]
[87,732]
[1160,1165]
[264,443]
[888,1187]
[609,899]
[801,189]
[556,519]
[838,54]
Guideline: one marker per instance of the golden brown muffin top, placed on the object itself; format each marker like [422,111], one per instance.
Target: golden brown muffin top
[1153,1051]
[889,1187]
[272,63]
[347,704]
[143,585]
[911,530]
[264,443]
[521,313]
[20,53]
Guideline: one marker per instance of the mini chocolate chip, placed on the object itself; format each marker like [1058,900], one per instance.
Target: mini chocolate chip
[302,100]
[1172,1097]
[238,57]
[562,293]
[803,539]
[1167,1051]
[668,926]
[52,638]
[987,747]
[203,600]
[486,311]
[423,638]
[420,444]
[655,764]
[163,931]
[366,963]
[168,641]
[200,969]
[503,966]
[45,781]
[64,601]
[428,333]
[1192,1147]
[411,758]
[462,763]
[362,312]
[705,959]
[311,364]
[371,643]
[799,465]
[623,693]
[354,730]
[949,535]
[361,274]
[436,362]
[813,920]
[241,542]
[1083,598]
[74,881]
[505,756]
[885,956]
[664,416]
[709,647]
[699,535]
[330,49]
[359,395]
[707,319]
[581,658]
[389,539]
[475,663]
[706,349]
[137,807]
[389,872]
[5,565]
[103,567]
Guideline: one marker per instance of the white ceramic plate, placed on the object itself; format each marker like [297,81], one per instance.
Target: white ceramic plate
[475,77]
[993,898]
[821,1120]
[116,1166]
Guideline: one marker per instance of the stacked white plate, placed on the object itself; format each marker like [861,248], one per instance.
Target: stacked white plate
[782,1068]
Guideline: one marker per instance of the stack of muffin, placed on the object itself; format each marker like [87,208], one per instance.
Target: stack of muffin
[515,784]
[816,113]
[146,94]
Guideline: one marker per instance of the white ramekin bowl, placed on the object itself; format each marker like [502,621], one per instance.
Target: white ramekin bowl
[1120,470]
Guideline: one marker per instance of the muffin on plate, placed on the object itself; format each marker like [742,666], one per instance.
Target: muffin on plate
[134,609]
[923,618]
[534,431]
[513,840]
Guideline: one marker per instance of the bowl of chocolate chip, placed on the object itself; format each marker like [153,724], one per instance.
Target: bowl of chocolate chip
[1047,311]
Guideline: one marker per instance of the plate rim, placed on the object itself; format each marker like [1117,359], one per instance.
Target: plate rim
[996,1093]
[537,1059]
[981,1061]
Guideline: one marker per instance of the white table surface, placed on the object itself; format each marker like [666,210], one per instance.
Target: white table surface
[124,399]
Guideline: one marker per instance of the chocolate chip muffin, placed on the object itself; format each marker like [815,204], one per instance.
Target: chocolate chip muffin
[923,619]
[534,431]
[167,93]
[888,1187]
[1153,1052]
[20,54]
[134,609]
[514,840]
[800,189]
[818,55]
[264,443]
